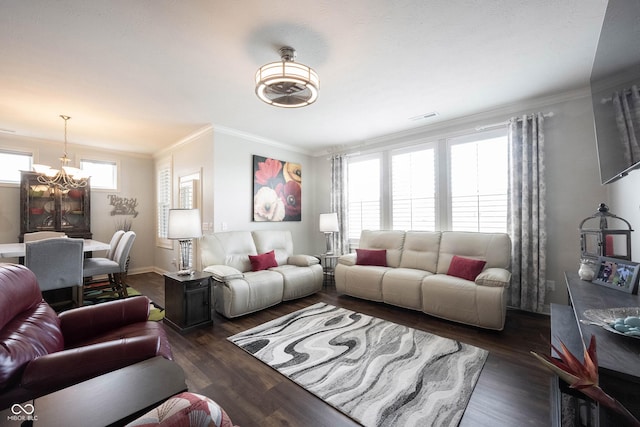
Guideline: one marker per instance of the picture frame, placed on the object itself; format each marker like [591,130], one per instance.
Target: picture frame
[277,190]
[618,274]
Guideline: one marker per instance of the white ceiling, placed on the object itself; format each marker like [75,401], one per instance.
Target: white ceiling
[141,75]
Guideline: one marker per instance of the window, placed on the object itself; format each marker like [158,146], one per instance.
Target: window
[413,188]
[479,176]
[364,196]
[163,183]
[104,174]
[11,163]
[452,184]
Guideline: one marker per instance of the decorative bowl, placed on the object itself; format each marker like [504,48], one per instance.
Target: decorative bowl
[605,317]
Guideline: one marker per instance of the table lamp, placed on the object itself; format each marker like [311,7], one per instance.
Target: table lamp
[328,225]
[184,225]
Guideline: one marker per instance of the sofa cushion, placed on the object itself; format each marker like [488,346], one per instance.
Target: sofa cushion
[465,268]
[279,241]
[303,260]
[420,250]
[263,261]
[392,241]
[29,328]
[222,273]
[371,257]
[494,248]
[230,248]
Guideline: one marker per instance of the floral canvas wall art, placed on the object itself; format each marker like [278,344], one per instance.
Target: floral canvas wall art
[277,190]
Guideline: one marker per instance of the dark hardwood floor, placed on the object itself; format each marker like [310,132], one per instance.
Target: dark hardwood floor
[513,389]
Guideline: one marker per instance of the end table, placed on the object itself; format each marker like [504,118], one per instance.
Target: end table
[328,262]
[187,300]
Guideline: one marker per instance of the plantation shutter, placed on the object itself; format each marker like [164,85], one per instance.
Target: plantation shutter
[364,196]
[413,190]
[163,183]
[479,176]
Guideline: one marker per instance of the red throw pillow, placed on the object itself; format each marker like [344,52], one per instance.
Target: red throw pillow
[263,261]
[465,268]
[371,257]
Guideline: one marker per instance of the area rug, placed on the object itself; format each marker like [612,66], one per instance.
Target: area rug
[97,296]
[377,372]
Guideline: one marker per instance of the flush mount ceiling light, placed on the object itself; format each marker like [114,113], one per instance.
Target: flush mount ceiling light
[287,83]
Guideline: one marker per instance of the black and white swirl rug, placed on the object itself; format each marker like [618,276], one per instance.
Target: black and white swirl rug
[377,372]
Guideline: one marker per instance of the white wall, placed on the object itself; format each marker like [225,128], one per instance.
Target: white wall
[135,182]
[191,155]
[572,177]
[233,183]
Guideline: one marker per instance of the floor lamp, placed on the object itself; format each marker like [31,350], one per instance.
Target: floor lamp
[184,225]
[329,225]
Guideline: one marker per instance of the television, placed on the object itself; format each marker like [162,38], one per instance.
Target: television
[614,78]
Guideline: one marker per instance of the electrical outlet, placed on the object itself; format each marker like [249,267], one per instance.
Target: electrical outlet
[174,262]
[224,226]
[551,285]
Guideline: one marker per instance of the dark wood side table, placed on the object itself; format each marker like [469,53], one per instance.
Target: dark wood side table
[112,399]
[618,356]
[187,301]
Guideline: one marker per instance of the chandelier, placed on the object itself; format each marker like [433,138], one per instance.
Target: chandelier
[65,178]
[287,83]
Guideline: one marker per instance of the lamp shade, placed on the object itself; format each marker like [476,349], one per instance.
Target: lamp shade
[329,222]
[184,224]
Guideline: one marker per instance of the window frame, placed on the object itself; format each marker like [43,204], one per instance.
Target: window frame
[94,160]
[17,151]
[381,161]
[465,139]
[442,173]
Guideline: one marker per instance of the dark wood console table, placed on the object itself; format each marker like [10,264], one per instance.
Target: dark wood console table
[618,356]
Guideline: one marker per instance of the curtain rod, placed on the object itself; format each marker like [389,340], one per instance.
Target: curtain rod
[625,92]
[506,122]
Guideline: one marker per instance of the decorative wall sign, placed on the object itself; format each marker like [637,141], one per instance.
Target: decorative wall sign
[123,205]
[277,190]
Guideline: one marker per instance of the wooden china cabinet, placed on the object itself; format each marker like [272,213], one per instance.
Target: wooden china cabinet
[45,208]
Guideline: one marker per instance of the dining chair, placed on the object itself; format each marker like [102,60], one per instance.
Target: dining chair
[114,268]
[41,235]
[57,263]
[113,244]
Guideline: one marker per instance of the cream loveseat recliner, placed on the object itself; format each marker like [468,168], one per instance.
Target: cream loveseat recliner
[237,289]
[415,275]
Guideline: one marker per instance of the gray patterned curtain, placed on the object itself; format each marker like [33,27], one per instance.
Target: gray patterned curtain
[339,203]
[526,213]
[626,104]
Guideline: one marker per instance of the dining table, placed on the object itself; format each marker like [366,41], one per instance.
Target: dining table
[17,250]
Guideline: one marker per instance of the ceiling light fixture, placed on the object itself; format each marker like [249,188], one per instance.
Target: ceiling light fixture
[66,177]
[287,83]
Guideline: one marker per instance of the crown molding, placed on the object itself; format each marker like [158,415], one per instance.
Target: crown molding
[187,139]
[254,138]
[500,113]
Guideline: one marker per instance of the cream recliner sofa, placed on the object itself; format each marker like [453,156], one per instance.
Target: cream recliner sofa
[416,274]
[237,289]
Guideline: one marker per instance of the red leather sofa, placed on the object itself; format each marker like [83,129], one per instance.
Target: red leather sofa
[41,351]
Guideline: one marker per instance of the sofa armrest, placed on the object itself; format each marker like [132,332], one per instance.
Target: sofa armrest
[494,277]
[83,323]
[64,368]
[348,259]
[302,260]
[224,273]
